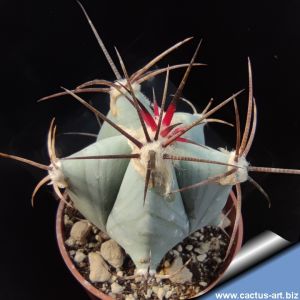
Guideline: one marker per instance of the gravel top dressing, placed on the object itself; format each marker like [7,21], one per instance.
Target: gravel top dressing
[185,270]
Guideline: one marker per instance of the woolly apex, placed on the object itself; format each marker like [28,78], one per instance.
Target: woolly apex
[115,93]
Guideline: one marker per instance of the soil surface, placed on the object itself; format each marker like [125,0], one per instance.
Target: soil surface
[204,250]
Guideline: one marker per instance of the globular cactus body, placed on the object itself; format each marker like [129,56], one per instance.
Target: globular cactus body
[110,192]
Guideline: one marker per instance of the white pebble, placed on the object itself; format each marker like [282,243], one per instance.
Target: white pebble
[189,247]
[98,238]
[166,264]
[70,242]
[79,257]
[120,273]
[167,287]
[91,245]
[179,248]
[67,220]
[217,259]
[183,276]
[116,288]
[95,230]
[203,283]
[205,247]
[168,294]
[130,297]
[148,293]
[161,293]
[197,234]
[201,257]
[214,244]
[104,235]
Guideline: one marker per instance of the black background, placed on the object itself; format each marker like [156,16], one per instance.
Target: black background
[46,44]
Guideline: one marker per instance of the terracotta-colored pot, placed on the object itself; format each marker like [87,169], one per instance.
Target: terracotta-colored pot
[96,294]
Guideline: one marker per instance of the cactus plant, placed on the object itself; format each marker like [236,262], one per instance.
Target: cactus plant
[149,180]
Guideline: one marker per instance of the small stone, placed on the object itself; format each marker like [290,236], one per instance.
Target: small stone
[67,220]
[215,244]
[133,286]
[112,295]
[201,257]
[130,297]
[79,257]
[95,230]
[116,288]
[198,250]
[80,230]
[168,294]
[183,276]
[139,279]
[205,247]
[82,265]
[166,264]
[120,273]
[104,235]
[91,245]
[112,253]
[203,283]
[98,238]
[197,234]
[218,260]
[70,242]
[179,248]
[148,293]
[161,293]
[98,268]
[166,287]
[176,253]
[72,252]
[189,247]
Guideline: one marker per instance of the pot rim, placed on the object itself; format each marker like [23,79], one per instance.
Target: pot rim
[97,293]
